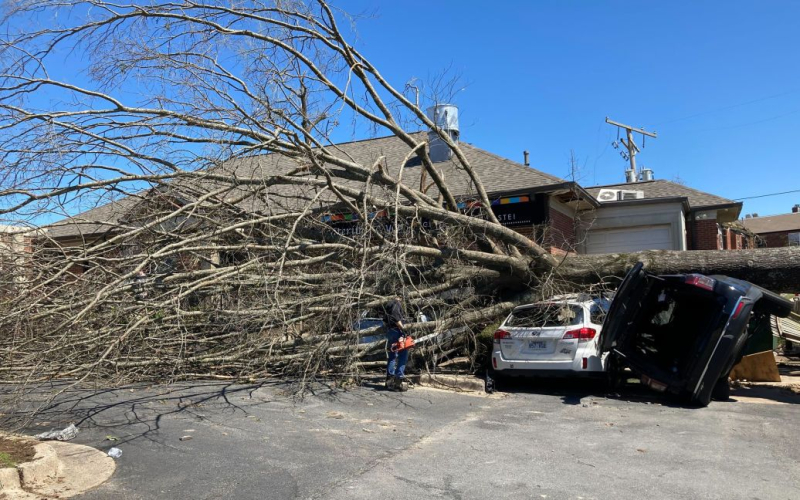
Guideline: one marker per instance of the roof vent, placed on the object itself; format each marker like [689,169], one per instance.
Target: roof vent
[444,116]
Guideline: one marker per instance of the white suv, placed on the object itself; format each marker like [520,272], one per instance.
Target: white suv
[554,337]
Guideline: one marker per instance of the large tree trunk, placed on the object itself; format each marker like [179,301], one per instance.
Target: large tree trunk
[777,269]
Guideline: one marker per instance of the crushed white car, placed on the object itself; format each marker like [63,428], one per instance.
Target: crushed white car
[554,337]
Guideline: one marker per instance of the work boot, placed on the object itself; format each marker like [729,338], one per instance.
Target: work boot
[390,382]
[400,384]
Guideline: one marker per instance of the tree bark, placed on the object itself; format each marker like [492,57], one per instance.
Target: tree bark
[777,269]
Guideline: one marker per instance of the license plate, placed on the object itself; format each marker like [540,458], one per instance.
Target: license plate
[537,345]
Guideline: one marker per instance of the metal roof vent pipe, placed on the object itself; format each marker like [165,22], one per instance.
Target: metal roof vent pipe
[445,116]
[647,174]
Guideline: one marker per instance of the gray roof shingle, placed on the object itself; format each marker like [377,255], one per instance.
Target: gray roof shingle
[661,188]
[497,174]
[773,223]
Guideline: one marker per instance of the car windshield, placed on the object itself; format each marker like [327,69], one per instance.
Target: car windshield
[546,315]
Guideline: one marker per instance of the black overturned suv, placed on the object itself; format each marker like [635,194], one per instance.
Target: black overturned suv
[683,333]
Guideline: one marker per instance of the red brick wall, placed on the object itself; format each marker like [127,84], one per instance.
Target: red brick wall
[704,235]
[561,233]
[557,236]
[774,240]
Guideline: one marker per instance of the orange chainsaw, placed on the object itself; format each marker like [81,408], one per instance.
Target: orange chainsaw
[406,342]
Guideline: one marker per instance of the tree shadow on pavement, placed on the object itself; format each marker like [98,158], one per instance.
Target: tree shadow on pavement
[138,409]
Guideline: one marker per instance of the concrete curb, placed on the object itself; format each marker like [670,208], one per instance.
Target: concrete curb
[58,470]
[459,382]
[9,479]
[44,468]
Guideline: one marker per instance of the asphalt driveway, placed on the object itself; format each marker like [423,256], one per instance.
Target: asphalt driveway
[211,440]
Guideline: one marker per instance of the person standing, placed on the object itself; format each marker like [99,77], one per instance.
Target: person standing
[396,366]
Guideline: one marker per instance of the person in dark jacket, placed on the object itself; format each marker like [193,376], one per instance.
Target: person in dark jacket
[395,369]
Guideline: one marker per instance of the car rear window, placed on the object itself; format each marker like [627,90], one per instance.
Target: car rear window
[545,315]
[367,323]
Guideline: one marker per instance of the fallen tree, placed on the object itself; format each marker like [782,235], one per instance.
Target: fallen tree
[776,269]
[204,140]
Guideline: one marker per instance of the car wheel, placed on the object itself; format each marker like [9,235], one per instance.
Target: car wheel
[493,381]
[700,401]
[615,375]
[722,390]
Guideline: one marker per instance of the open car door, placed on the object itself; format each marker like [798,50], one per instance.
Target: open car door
[623,308]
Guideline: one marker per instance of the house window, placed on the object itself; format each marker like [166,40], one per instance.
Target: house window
[794,239]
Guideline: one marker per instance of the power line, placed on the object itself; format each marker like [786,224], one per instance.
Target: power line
[748,123]
[766,195]
[724,108]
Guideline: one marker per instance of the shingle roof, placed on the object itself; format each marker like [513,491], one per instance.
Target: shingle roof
[774,223]
[97,220]
[666,189]
[497,174]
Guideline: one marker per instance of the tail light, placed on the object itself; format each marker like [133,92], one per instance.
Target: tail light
[583,334]
[738,310]
[701,281]
[501,334]
[494,362]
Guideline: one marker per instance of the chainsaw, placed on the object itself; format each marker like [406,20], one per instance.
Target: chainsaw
[406,342]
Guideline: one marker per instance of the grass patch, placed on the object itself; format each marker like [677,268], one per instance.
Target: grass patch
[6,460]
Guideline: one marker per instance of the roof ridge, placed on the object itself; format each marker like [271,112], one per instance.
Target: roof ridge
[775,215]
[623,183]
[512,162]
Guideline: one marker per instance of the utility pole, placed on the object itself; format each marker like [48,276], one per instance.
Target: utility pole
[631,146]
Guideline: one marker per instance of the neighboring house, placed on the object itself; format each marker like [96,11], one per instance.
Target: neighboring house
[657,215]
[15,250]
[14,241]
[775,230]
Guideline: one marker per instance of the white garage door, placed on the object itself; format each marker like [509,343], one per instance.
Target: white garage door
[630,239]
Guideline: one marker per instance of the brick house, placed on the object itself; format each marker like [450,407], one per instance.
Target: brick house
[775,230]
[534,203]
[560,215]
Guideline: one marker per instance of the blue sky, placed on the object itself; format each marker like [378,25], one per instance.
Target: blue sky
[718,81]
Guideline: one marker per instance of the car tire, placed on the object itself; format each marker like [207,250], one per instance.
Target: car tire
[489,383]
[722,390]
[701,401]
[493,382]
[615,375]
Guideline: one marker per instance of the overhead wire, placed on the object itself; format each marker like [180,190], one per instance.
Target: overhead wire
[767,195]
[724,108]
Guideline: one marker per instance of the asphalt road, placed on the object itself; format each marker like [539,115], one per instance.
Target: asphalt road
[555,441]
